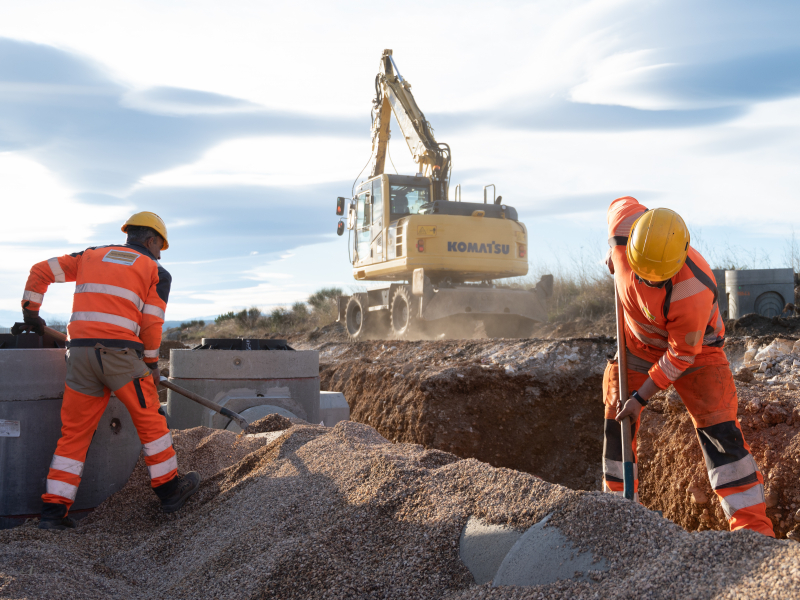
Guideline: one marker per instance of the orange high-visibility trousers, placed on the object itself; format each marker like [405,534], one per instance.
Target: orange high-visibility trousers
[709,395]
[82,408]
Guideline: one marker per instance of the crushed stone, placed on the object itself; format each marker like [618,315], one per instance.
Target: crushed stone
[273,422]
[344,513]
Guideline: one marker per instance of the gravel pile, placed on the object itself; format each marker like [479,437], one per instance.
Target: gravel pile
[343,513]
[273,422]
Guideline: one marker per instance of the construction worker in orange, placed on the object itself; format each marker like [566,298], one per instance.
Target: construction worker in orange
[674,335]
[114,335]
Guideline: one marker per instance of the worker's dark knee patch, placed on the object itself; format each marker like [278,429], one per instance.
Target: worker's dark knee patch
[612,439]
[728,462]
[722,444]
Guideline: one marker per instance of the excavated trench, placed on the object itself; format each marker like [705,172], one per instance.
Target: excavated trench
[536,406]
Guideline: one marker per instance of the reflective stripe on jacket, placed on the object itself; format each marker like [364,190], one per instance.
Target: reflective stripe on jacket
[676,326]
[121,293]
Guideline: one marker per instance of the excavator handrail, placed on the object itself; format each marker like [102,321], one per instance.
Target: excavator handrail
[494,192]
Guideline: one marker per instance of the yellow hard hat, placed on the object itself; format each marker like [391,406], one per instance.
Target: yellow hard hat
[151,220]
[658,244]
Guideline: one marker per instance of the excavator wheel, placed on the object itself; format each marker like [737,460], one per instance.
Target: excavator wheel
[402,315]
[356,319]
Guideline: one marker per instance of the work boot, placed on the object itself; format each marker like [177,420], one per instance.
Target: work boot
[176,492]
[54,516]
[57,524]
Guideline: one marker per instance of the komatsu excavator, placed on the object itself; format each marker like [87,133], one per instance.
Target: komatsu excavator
[439,257]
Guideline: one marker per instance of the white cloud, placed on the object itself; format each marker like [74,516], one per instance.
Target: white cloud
[37,207]
[269,161]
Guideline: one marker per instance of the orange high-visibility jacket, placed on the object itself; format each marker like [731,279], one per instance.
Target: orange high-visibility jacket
[677,326]
[121,294]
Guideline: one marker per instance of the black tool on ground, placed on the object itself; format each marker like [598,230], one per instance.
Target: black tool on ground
[242,344]
[207,403]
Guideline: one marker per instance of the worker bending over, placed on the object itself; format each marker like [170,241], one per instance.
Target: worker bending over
[114,333]
[674,335]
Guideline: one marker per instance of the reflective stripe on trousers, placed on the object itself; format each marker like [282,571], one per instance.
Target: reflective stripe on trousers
[159,445]
[734,502]
[163,468]
[68,465]
[59,488]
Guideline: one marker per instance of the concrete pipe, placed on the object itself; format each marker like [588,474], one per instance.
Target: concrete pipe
[30,425]
[241,380]
[761,291]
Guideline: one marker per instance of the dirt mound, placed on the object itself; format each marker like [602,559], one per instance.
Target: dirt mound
[273,422]
[756,325]
[167,345]
[529,405]
[603,326]
[672,471]
[337,513]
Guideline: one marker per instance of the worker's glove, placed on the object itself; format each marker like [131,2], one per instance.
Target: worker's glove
[154,372]
[33,322]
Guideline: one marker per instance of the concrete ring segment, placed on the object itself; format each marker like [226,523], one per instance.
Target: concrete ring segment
[544,555]
[483,547]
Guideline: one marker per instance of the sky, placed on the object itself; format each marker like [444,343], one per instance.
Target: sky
[239,123]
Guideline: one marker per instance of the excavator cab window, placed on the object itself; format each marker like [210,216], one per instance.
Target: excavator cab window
[406,200]
[363,225]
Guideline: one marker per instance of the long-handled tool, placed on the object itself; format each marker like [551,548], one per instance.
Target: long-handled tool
[225,412]
[207,403]
[622,362]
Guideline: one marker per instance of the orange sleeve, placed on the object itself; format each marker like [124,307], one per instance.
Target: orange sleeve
[154,313]
[685,328]
[53,270]
[621,214]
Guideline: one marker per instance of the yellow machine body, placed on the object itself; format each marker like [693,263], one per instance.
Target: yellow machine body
[468,247]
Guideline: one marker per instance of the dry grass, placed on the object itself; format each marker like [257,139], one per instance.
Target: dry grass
[582,286]
[319,310]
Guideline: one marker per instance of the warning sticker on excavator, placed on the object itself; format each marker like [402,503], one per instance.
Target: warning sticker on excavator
[426,229]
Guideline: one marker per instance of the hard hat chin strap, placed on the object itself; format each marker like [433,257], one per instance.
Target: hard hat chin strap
[652,284]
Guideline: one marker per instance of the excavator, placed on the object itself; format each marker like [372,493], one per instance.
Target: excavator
[439,257]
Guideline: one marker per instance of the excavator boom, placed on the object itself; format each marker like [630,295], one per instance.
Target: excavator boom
[393,93]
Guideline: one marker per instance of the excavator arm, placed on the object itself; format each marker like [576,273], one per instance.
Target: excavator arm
[393,94]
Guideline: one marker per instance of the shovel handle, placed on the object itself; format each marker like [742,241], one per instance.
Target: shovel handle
[622,362]
[57,335]
[206,402]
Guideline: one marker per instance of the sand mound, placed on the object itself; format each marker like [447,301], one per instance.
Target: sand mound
[338,513]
